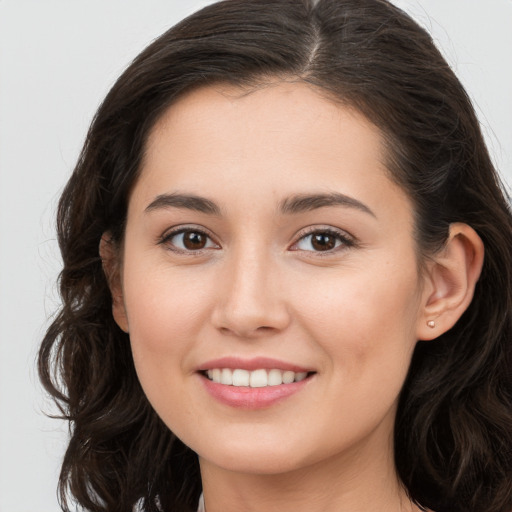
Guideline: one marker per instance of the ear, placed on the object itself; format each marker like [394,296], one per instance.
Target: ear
[450,283]
[111,261]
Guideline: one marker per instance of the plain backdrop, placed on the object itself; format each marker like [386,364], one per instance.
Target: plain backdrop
[58,59]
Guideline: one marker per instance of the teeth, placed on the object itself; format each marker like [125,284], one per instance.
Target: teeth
[256,379]
[241,378]
[300,376]
[275,377]
[226,376]
[288,377]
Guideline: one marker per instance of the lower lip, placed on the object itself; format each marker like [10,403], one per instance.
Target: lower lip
[244,397]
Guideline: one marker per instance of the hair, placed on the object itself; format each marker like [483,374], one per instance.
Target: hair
[453,431]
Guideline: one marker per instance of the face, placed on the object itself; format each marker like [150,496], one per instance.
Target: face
[269,279]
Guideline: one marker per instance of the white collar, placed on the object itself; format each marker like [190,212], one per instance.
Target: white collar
[200,506]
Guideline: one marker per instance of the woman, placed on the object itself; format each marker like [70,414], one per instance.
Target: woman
[275,290]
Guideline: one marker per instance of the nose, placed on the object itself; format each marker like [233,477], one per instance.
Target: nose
[251,301]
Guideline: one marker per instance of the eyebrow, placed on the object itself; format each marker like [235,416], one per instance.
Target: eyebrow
[299,203]
[187,201]
[306,202]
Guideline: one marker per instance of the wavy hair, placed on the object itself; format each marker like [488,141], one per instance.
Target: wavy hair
[453,432]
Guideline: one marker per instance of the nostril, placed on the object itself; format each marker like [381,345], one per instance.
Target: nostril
[248,332]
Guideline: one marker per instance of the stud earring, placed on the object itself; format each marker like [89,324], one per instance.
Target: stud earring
[431,324]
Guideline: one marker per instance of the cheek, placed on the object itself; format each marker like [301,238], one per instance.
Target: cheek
[164,313]
[365,315]
[163,306]
[165,310]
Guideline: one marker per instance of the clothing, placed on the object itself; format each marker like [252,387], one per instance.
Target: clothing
[200,506]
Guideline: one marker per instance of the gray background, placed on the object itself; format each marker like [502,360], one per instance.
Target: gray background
[58,59]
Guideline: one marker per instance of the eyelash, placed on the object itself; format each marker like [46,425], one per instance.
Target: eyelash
[345,240]
[167,238]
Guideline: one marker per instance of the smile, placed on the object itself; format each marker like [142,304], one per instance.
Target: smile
[259,378]
[258,383]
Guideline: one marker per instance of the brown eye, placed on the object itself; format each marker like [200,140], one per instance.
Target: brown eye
[189,240]
[323,241]
[192,240]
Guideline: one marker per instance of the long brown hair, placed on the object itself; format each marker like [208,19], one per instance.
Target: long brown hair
[453,434]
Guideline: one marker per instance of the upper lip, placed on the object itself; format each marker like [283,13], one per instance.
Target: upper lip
[255,363]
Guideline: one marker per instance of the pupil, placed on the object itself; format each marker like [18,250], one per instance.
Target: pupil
[323,242]
[194,240]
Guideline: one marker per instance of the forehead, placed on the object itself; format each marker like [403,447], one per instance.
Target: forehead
[283,117]
[275,106]
[273,140]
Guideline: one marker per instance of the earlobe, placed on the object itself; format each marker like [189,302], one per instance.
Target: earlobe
[111,261]
[451,281]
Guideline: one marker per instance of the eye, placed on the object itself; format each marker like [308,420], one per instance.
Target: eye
[323,240]
[189,240]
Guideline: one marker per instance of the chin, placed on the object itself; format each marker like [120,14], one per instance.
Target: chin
[258,457]
[263,464]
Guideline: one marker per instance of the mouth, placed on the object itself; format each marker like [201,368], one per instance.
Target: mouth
[259,378]
[255,384]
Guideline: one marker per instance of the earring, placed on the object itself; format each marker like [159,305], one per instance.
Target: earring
[431,324]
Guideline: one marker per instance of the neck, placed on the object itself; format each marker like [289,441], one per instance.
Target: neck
[363,480]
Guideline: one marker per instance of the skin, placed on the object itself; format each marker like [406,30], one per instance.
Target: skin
[258,287]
